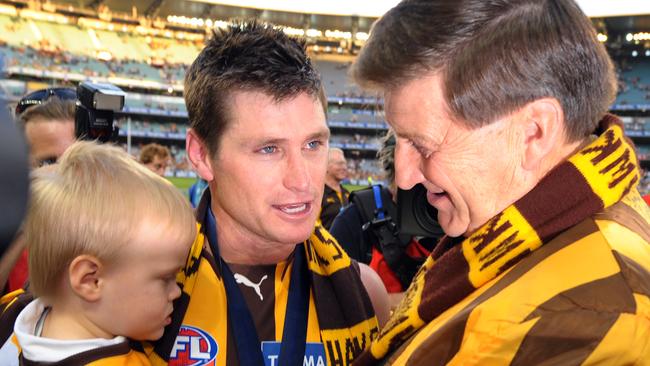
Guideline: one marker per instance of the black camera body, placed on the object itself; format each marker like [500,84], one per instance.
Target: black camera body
[415,216]
[96,106]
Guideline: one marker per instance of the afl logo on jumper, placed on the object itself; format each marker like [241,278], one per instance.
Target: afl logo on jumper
[193,347]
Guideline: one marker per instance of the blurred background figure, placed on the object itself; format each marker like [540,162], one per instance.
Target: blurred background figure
[155,157]
[368,230]
[335,195]
[46,118]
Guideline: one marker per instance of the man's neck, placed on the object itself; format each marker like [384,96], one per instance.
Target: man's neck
[243,247]
[333,183]
[253,253]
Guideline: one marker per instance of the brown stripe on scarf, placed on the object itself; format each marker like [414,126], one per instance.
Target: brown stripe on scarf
[550,210]
[325,288]
[446,284]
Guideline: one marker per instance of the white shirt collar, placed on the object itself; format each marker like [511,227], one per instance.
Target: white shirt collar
[41,349]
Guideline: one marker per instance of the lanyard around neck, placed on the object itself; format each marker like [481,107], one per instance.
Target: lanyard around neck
[294,335]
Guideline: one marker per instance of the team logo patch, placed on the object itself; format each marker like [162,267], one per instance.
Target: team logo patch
[193,347]
[314,354]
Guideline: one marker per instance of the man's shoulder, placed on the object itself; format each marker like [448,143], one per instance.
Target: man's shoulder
[625,227]
[631,213]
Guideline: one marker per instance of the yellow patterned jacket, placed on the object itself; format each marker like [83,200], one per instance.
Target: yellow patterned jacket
[583,298]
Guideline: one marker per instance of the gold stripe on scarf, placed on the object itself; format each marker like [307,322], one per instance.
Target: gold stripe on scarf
[487,254]
[608,165]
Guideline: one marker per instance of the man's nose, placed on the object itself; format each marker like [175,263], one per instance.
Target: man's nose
[296,176]
[408,164]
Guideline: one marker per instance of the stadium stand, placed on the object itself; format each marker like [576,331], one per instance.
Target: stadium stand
[149,63]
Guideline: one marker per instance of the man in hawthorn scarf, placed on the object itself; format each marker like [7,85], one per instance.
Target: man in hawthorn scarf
[499,108]
[262,284]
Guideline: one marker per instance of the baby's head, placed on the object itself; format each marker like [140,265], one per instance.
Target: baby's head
[106,239]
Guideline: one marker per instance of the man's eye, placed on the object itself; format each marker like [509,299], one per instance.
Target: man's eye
[47,161]
[268,149]
[420,149]
[312,145]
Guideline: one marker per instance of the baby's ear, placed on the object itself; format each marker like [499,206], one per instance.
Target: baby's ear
[84,276]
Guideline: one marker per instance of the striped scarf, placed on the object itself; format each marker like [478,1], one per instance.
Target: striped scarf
[595,178]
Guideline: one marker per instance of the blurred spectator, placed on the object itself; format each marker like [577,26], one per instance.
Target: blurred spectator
[155,157]
[47,119]
[334,196]
[366,229]
[48,127]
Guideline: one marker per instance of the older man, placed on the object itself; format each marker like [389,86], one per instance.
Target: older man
[499,108]
[263,284]
[335,195]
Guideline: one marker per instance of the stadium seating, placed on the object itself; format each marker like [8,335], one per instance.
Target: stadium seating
[634,82]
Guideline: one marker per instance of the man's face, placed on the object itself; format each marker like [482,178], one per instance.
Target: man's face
[269,171]
[140,286]
[468,173]
[337,166]
[48,139]
[158,165]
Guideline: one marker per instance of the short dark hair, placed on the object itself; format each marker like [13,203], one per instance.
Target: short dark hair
[54,109]
[247,56]
[494,57]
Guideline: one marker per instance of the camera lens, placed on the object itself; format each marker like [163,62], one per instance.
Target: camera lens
[416,216]
[425,214]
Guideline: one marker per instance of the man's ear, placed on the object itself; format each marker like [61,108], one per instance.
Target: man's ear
[84,274]
[198,155]
[543,130]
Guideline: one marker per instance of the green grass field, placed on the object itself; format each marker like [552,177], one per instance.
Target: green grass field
[184,184]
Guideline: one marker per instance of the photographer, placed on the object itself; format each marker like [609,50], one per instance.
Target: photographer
[46,118]
[368,230]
